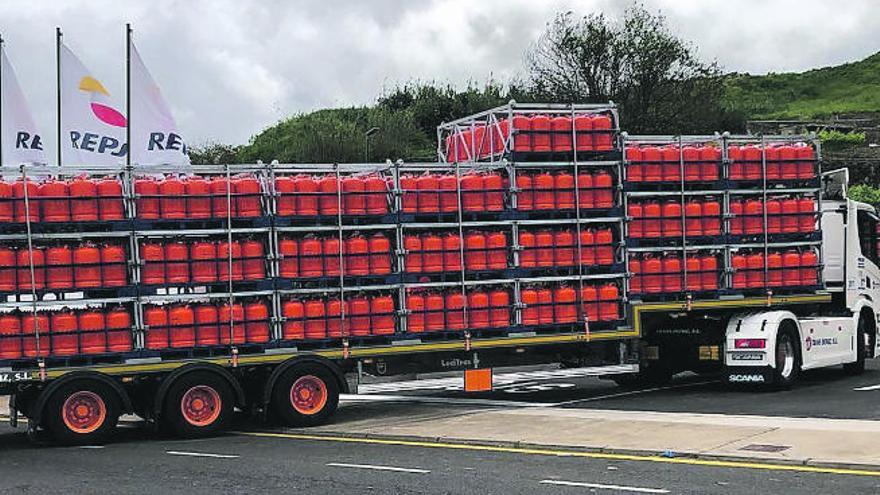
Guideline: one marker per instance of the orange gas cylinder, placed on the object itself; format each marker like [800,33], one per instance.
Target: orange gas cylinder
[328,200]
[224,253]
[528,256]
[204,261]
[331,263]
[8,265]
[604,247]
[736,169]
[636,222]
[609,302]
[788,167]
[652,170]
[755,267]
[285,190]
[790,214]
[522,140]
[65,341]
[172,200]
[753,166]
[475,255]
[583,126]
[333,315]
[544,197]
[590,303]
[448,193]
[10,336]
[30,325]
[711,217]
[563,255]
[181,321]
[472,195]
[375,189]
[692,266]
[354,201]
[434,312]
[672,274]
[740,269]
[38,257]
[359,309]
[306,196]
[176,263]
[653,219]
[451,253]
[545,306]
[253,260]
[603,185]
[809,263]
[221,202]
[309,258]
[544,248]
[737,223]
[561,126]
[428,194]
[772,166]
[586,191]
[84,200]
[493,184]
[53,199]
[380,255]
[198,197]
[480,142]
[774,216]
[499,308]
[478,310]
[357,256]
[87,266]
[153,271]
[806,214]
[147,191]
[59,268]
[690,155]
[415,319]
[432,253]
[530,310]
[92,326]
[29,211]
[588,247]
[248,197]
[118,330]
[233,315]
[288,265]
[603,137]
[496,251]
[652,281]
[635,269]
[541,127]
[565,307]
[671,219]
[671,168]
[207,328]
[753,216]
[805,168]
[454,304]
[256,325]
[382,315]
[7,208]
[709,272]
[294,327]
[635,168]
[693,222]
[791,264]
[412,244]
[409,194]
[114,271]
[710,158]
[774,269]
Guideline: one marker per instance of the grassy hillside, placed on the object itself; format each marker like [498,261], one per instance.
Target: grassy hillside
[853,87]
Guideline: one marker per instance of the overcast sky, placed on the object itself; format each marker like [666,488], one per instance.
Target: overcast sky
[230,68]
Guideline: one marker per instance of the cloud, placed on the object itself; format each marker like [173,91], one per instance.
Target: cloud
[231,68]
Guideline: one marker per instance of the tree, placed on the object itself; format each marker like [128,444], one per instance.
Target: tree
[214,153]
[656,78]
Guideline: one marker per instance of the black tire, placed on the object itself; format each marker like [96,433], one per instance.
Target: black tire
[788,360]
[654,375]
[82,412]
[318,392]
[863,340]
[208,400]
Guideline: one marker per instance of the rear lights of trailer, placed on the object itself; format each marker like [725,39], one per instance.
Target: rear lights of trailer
[749,343]
[65,333]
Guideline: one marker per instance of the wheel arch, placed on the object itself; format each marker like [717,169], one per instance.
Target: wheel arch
[165,385]
[38,408]
[297,361]
[866,310]
[765,325]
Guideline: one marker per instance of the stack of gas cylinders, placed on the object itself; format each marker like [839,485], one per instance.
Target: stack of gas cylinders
[201,261]
[65,333]
[667,273]
[558,248]
[195,197]
[793,214]
[311,195]
[779,268]
[359,315]
[782,162]
[661,219]
[438,311]
[59,267]
[183,325]
[80,199]
[439,193]
[669,163]
[548,305]
[319,256]
[434,252]
[546,191]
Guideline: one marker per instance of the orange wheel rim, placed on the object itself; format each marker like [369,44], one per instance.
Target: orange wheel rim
[308,395]
[84,412]
[201,405]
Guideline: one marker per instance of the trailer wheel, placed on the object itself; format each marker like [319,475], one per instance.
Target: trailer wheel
[863,344]
[198,404]
[788,361]
[305,395]
[82,412]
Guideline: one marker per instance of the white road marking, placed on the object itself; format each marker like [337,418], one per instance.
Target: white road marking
[867,389]
[202,454]
[91,447]
[379,468]
[621,488]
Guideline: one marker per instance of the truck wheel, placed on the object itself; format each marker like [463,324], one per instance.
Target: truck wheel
[863,341]
[305,395]
[198,404]
[788,365]
[82,412]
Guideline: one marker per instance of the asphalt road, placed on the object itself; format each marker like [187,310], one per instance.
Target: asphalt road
[143,463]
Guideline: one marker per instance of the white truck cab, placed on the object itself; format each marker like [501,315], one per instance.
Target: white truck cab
[772,347]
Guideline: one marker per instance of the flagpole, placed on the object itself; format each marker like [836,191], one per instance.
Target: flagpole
[128,93]
[58,87]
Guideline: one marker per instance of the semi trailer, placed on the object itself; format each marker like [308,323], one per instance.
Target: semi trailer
[542,234]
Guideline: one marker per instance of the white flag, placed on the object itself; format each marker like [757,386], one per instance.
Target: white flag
[155,139]
[92,126]
[21,142]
